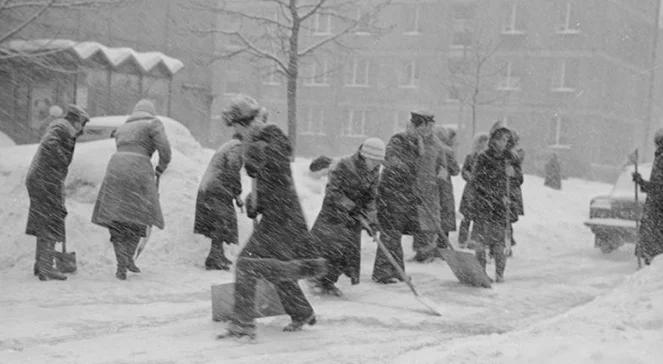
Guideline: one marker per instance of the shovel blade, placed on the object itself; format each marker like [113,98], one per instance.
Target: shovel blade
[466,268]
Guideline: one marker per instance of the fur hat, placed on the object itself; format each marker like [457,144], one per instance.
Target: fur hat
[242,110]
[144,108]
[421,116]
[75,111]
[373,148]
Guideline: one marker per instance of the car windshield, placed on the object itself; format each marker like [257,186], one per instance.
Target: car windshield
[625,187]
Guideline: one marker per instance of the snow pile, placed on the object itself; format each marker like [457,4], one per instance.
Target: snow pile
[5,140]
[177,193]
[622,326]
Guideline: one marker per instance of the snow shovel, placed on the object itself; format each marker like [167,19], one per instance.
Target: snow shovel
[65,262]
[143,241]
[432,307]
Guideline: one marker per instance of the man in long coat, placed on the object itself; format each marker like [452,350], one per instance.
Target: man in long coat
[45,184]
[216,217]
[408,194]
[349,198]
[280,249]
[651,225]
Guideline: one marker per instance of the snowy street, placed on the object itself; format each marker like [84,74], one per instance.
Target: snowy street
[559,289]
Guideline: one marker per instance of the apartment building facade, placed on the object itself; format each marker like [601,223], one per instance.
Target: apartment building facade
[571,76]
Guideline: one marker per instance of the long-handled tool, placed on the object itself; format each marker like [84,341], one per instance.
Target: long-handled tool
[432,307]
[143,241]
[507,212]
[638,215]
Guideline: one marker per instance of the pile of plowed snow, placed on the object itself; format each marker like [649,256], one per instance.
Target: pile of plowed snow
[6,141]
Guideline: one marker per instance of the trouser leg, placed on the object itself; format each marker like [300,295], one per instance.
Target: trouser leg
[121,253]
[45,258]
[463,231]
[425,245]
[132,244]
[293,300]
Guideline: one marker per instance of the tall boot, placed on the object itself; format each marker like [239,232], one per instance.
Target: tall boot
[46,255]
[214,261]
[131,251]
[500,264]
[481,257]
[463,232]
[120,255]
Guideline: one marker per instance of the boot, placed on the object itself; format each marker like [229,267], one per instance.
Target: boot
[131,265]
[35,268]
[120,255]
[216,260]
[238,329]
[46,255]
[297,325]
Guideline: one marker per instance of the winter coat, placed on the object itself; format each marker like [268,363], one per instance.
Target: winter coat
[447,201]
[350,192]
[128,192]
[516,207]
[466,201]
[553,174]
[281,232]
[216,217]
[489,183]
[408,189]
[45,181]
[651,226]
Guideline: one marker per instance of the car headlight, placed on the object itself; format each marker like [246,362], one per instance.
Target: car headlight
[601,204]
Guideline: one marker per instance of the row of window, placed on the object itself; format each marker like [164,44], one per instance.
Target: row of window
[354,124]
[462,13]
[357,74]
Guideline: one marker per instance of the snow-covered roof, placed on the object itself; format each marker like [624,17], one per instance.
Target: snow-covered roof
[115,57]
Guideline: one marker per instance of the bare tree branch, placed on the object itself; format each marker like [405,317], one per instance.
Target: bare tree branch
[27,21]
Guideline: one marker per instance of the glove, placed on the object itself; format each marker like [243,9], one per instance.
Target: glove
[637,178]
[251,211]
[158,171]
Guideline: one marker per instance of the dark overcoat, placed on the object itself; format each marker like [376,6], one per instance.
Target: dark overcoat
[516,207]
[489,183]
[466,201]
[651,226]
[350,192]
[282,232]
[215,216]
[45,181]
[128,193]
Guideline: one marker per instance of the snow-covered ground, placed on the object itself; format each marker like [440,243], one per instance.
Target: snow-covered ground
[563,301]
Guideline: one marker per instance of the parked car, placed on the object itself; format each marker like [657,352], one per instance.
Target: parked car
[613,217]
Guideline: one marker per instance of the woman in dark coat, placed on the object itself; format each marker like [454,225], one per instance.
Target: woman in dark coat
[216,217]
[466,206]
[651,224]
[45,184]
[128,200]
[280,249]
[349,197]
[489,180]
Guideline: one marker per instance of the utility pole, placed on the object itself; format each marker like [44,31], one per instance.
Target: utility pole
[652,83]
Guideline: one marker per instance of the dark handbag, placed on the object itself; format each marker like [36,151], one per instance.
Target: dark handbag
[65,262]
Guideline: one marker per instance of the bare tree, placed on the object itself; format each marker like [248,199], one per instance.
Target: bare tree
[475,74]
[271,31]
[19,14]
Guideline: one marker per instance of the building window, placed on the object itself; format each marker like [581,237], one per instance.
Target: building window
[355,124]
[411,13]
[462,32]
[317,74]
[315,121]
[322,24]
[514,22]
[401,119]
[272,76]
[566,77]
[569,22]
[363,26]
[558,131]
[357,72]
[510,80]
[409,75]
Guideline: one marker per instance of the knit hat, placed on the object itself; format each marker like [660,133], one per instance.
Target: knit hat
[242,109]
[373,148]
[144,108]
[421,116]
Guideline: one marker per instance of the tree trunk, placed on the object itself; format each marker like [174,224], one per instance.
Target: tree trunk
[292,76]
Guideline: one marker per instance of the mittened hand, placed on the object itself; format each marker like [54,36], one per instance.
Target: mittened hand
[158,171]
[637,178]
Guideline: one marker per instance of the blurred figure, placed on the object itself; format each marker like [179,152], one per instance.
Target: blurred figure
[489,180]
[216,217]
[128,200]
[651,225]
[408,195]
[553,173]
[45,183]
[467,208]
[450,168]
[515,157]
[280,250]
[349,198]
